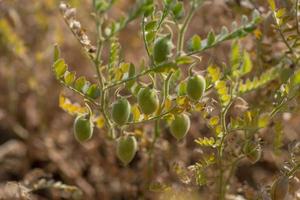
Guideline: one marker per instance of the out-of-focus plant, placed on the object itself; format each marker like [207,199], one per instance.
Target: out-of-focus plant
[126,96]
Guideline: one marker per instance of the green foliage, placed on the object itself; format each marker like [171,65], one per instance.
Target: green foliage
[159,90]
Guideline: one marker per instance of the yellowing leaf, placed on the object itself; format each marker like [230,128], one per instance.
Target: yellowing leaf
[214,121]
[118,74]
[199,107]
[124,67]
[263,120]
[247,64]
[218,130]
[272,4]
[280,12]
[59,68]
[11,40]
[258,33]
[136,113]
[138,133]
[214,73]
[69,107]
[100,122]
[168,104]
[181,100]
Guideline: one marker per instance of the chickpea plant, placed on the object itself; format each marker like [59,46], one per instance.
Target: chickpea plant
[166,88]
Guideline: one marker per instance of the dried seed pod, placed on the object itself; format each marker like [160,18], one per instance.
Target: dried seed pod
[280,188]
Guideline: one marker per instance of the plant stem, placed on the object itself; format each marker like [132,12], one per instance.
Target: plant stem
[182,31]
[148,71]
[145,40]
[286,43]
[232,169]
[100,77]
[90,100]
[154,118]
[220,151]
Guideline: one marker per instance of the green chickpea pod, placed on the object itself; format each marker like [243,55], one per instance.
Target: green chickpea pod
[83,128]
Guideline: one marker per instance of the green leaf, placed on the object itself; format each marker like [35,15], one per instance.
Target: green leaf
[69,78]
[181,90]
[93,91]
[224,32]
[150,36]
[56,53]
[80,83]
[255,16]
[101,6]
[244,20]
[86,87]
[150,25]
[59,68]
[184,60]
[210,38]
[165,67]
[195,43]
[247,63]
[235,56]
[130,73]
[295,80]
[178,10]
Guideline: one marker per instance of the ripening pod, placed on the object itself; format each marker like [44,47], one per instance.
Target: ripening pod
[195,87]
[126,149]
[83,128]
[147,100]
[180,125]
[280,188]
[121,111]
[162,49]
[253,151]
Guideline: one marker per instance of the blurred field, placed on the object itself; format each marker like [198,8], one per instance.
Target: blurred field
[37,147]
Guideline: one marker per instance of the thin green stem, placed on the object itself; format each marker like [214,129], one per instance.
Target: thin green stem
[183,29]
[153,118]
[129,79]
[165,92]
[97,64]
[287,44]
[145,40]
[90,100]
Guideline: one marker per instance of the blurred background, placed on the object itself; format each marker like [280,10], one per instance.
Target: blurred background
[37,147]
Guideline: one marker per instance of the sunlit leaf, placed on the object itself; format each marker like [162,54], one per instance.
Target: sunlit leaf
[69,78]
[93,91]
[59,68]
